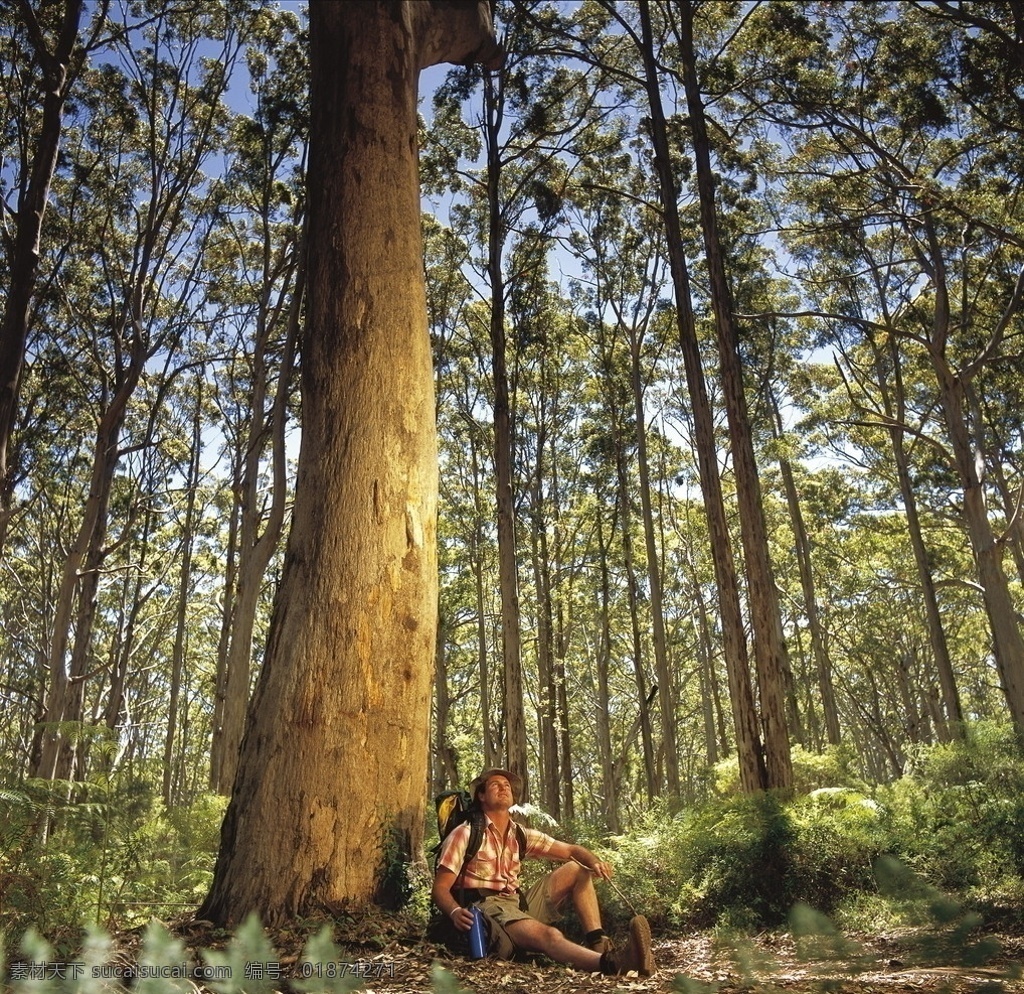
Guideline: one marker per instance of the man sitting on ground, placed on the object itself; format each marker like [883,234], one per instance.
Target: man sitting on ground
[516,921]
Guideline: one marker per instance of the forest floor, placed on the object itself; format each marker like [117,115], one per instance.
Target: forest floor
[390,954]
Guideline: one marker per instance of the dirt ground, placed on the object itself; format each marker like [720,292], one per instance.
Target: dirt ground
[389,954]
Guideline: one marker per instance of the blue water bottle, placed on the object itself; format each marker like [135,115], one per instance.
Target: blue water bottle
[477,935]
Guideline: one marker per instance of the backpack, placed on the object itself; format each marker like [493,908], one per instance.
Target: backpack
[453,807]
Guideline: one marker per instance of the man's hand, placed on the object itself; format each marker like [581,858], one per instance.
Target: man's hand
[462,918]
[599,867]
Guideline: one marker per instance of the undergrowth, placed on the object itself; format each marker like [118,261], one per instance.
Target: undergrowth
[956,819]
[859,858]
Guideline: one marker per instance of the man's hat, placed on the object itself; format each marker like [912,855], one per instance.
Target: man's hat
[514,781]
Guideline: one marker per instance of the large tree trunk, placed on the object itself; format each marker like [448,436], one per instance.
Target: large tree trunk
[333,767]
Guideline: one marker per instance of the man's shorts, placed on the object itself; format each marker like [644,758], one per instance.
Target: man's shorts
[503,909]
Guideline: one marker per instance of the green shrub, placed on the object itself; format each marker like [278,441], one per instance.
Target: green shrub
[739,854]
[957,816]
[101,852]
[837,839]
[835,767]
[956,819]
[649,867]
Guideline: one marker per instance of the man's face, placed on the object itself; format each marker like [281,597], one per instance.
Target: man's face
[497,794]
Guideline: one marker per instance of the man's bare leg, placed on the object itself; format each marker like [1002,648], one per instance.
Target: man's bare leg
[534,937]
[571,880]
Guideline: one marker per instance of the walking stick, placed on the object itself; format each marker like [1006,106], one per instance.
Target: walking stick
[625,899]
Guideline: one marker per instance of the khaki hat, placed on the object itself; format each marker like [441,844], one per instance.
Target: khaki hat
[515,781]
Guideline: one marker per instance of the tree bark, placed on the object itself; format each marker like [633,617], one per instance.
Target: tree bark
[333,766]
[769,647]
[753,774]
[23,261]
[508,577]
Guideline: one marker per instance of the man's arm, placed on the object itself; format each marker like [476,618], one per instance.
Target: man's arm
[565,852]
[444,880]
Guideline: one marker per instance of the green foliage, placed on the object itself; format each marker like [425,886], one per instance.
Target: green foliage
[955,822]
[249,963]
[395,886]
[957,817]
[741,860]
[835,767]
[103,852]
[321,949]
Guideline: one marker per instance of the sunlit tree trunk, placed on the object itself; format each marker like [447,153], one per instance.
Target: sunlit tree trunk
[508,576]
[753,774]
[770,653]
[333,766]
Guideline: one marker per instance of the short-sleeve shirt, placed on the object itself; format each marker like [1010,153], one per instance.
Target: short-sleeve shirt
[496,864]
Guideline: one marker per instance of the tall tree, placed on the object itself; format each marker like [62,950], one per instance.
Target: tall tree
[52,35]
[333,764]
[770,653]
[139,296]
[753,770]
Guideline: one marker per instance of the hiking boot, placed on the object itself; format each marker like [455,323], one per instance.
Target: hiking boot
[635,955]
[602,944]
